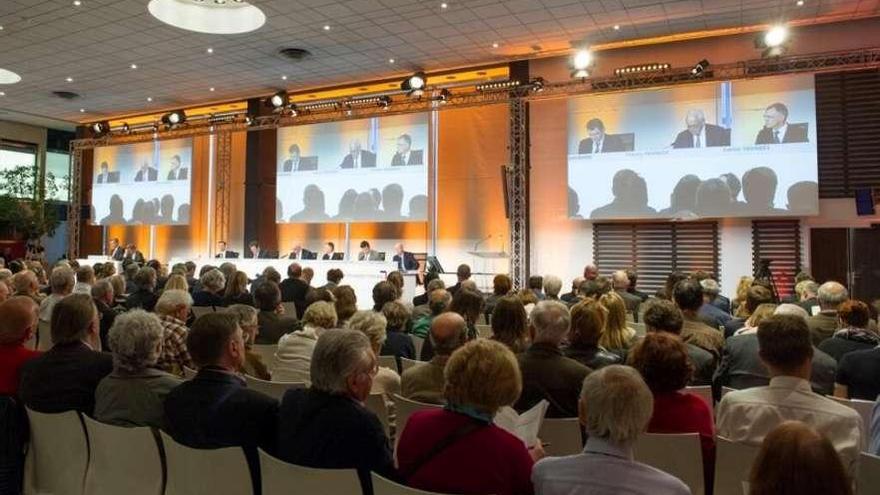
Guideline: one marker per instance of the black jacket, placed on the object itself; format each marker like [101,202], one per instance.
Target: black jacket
[294,290]
[273,326]
[64,378]
[547,374]
[592,357]
[320,430]
[216,409]
[142,299]
[409,261]
[204,298]
[398,344]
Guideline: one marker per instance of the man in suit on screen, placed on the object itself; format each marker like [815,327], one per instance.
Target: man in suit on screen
[116,252]
[146,173]
[699,134]
[599,142]
[358,158]
[405,155]
[106,177]
[224,253]
[405,260]
[296,162]
[776,128]
[177,172]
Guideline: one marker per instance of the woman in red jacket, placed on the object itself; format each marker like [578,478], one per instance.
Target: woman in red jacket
[18,323]
[458,449]
[662,359]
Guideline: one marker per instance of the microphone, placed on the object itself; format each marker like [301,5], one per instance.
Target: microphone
[476,244]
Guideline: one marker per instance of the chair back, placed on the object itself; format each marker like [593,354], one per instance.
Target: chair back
[639,327]
[266,353]
[58,454]
[289,308]
[868,478]
[189,373]
[205,471]
[563,436]
[726,390]
[865,409]
[281,478]
[484,331]
[404,408]
[384,486]
[122,460]
[678,454]
[704,392]
[409,363]
[272,389]
[389,362]
[198,311]
[418,342]
[44,336]
[733,463]
[376,404]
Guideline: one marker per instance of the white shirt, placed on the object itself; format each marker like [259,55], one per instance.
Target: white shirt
[82,288]
[603,468]
[702,136]
[597,145]
[405,157]
[749,415]
[48,305]
[356,160]
[780,132]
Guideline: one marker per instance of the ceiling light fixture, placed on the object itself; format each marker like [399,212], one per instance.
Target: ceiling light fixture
[414,85]
[444,5]
[537,84]
[390,60]
[495,45]
[149,98]
[774,41]
[210,51]
[133,66]
[326,27]
[211,89]
[497,85]
[69,79]
[800,3]
[2,93]
[580,64]
[174,119]
[82,110]
[283,78]
[617,27]
[278,101]
[699,69]
[77,3]
[443,97]
[384,102]
[100,128]
[775,36]
[212,17]
[8,77]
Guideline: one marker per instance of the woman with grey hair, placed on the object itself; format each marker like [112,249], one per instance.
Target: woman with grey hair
[294,355]
[213,285]
[253,365]
[372,324]
[134,393]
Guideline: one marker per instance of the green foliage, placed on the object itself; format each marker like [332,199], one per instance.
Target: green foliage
[22,206]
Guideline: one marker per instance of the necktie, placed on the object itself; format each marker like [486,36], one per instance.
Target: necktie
[357,160]
[697,143]
[776,136]
[597,147]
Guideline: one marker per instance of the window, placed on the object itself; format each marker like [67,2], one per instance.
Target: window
[780,242]
[656,249]
[18,167]
[57,176]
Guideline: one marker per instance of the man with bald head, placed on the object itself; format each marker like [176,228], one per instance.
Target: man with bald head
[405,260]
[591,272]
[620,284]
[438,302]
[424,383]
[546,373]
[825,323]
[25,283]
[18,323]
[699,134]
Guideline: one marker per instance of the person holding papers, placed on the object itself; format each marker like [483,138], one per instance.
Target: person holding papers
[459,448]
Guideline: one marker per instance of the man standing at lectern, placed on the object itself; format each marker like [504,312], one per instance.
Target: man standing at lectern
[405,260]
[116,252]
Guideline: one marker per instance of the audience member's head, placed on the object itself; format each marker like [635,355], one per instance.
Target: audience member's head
[236,284]
[501,285]
[483,375]
[756,296]
[335,275]
[468,285]
[617,334]
[784,345]
[591,271]
[662,359]
[85,275]
[463,272]
[536,283]
[549,323]
[791,309]
[468,303]
[267,296]
[214,282]
[662,315]
[619,280]
[831,295]
[396,315]
[62,280]
[795,459]
[435,284]
[247,318]
[711,289]
[18,320]
[510,324]
[396,279]
[176,281]
[439,301]
[320,316]
[587,323]
[103,291]
[75,319]
[383,292]
[615,405]
[371,324]
[760,314]
[175,304]
[215,339]
[688,295]
[319,294]
[227,268]
[576,284]
[854,314]
[552,286]
[448,333]
[136,340]
[343,363]
[346,302]
[145,279]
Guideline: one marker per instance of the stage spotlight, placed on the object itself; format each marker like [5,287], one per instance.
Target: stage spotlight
[773,42]
[174,119]
[292,110]
[277,101]
[497,85]
[384,102]
[700,68]
[537,85]
[122,129]
[414,85]
[582,60]
[443,96]
[100,128]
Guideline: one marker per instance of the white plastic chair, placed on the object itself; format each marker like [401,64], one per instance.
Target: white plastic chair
[376,404]
[407,363]
[281,478]
[205,471]
[678,454]
[58,454]
[388,362]
[122,460]
[275,390]
[289,308]
[865,410]
[868,479]
[404,408]
[704,392]
[563,436]
[733,463]
[384,486]
[266,353]
[726,390]
[418,342]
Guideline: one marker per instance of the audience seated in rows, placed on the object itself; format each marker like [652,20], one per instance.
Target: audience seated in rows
[345,304]
[216,409]
[749,415]
[236,291]
[398,342]
[85,278]
[253,365]
[211,290]
[755,295]
[620,284]
[462,273]
[134,393]
[826,322]
[711,311]
[662,315]
[425,382]
[617,336]
[61,282]
[144,294]
[808,296]
[858,367]
[294,354]
[854,334]
[65,377]
[588,319]
[326,425]
[104,299]
[294,288]
[615,408]
[273,320]
[421,307]
[546,373]
[688,295]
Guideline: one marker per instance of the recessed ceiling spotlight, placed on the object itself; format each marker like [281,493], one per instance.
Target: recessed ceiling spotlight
[82,110]
[8,77]
[617,27]
[77,3]
[390,60]
[149,98]
[213,17]
[134,66]
[211,89]
[326,27]
[800,3]
[1,28]
[444,5]
[2,93]
[69,79]
[209,51]
[494,45]
[283,78]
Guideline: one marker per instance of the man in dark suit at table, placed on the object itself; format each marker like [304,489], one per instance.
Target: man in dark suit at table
[358,158]
[132,255]
[106,177]
[295,288]
[405,260]
[599,142]
[405,155]
[776,128]
[115,251]
[300,253]
[255,251]
[297,163]
[222,252]
[177,171]
[699,134]
[146,173]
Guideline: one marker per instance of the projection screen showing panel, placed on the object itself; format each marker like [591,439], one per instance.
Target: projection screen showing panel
[726,149]
[143,183]
[368,170]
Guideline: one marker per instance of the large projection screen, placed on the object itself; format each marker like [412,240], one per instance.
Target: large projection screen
[722,149]
[143,183]
[367,170]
